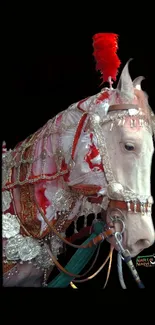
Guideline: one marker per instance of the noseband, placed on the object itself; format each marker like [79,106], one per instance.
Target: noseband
[132,207]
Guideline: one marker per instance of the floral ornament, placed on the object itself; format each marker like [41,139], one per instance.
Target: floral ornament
[29,249]
[22,248]
[10,225]
[12,247]
[6,200]
[26,248]
[18,247]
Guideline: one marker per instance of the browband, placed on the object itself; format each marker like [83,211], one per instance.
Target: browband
[121,107]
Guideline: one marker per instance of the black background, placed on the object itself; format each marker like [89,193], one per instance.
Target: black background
[48,65]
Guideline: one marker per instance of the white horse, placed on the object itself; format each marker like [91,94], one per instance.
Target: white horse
[94,156]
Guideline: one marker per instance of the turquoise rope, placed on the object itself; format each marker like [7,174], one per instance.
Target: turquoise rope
[78,260]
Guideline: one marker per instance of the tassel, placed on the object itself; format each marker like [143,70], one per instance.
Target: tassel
[73,285]
[85,221]
[95,219]
[4,149]
[75,227]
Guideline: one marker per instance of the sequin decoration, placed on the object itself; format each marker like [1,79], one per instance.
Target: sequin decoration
[6,166]
[133,111]
[62,200]
[102,148]
[56,245]
[6,200]
[43,260]
[10,225]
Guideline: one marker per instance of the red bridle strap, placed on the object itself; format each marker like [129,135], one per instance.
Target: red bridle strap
[123,205]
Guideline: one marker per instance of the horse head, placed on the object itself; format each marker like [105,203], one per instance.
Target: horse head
[126,146]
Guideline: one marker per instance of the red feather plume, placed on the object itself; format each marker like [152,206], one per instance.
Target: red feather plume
[105,47]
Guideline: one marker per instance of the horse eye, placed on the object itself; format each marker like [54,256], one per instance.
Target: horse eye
[129,146]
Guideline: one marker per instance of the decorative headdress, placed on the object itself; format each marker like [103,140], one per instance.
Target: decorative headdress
[128,93]
[107,61]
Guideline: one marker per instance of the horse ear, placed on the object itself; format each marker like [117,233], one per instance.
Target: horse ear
[125,84]
[137,82]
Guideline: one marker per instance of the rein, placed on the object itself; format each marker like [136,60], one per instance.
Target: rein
[81,257]
[103,235]
[90,245]
[100,269]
